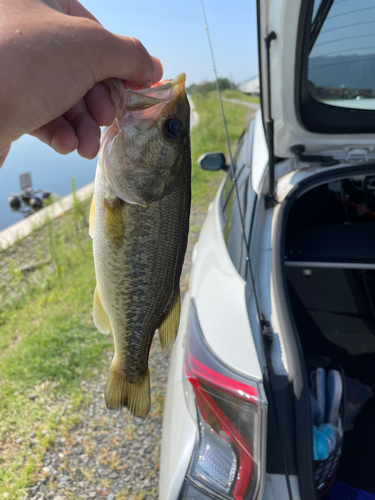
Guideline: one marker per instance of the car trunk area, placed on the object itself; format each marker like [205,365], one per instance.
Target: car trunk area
[330,274]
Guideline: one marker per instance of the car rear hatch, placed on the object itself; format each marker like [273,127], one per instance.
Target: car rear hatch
[317,76]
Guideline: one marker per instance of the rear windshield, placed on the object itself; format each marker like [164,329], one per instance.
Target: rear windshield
[341,63]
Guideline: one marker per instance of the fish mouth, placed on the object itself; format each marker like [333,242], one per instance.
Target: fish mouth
[144,107]
[178,81]
[164,89]
[127,98]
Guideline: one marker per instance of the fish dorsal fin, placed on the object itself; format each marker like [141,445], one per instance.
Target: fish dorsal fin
[92,217]
[169,328]
[101,319]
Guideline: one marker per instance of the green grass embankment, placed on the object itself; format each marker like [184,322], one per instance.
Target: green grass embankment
[48,342]
[209,135]
[240,96]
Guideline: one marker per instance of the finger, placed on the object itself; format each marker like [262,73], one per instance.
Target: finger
[86,129]
[4,150]
[58,134]
[99,104]
[120,57]
[75,8]
[157,73]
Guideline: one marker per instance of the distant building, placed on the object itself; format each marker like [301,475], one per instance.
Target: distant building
[250,86]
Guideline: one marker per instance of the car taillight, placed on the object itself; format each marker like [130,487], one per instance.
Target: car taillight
[231,411]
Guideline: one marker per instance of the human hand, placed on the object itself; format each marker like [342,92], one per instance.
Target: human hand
[55,58]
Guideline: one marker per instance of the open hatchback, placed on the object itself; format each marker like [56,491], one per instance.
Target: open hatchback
[317,62]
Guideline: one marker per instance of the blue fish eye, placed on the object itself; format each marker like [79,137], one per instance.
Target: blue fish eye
[172,128]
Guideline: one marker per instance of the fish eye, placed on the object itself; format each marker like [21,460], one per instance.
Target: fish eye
[172,128]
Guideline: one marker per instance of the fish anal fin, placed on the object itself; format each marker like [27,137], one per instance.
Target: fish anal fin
[101,319]
[119,393]
[169,328]
[92,217]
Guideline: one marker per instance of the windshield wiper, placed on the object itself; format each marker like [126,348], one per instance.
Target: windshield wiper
[319,19]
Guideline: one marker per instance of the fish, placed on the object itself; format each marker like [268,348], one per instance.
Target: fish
[139,223]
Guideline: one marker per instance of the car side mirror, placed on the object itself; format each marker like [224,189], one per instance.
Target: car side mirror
[213,162]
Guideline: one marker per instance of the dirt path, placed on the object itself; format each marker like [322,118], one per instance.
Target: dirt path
[251,105]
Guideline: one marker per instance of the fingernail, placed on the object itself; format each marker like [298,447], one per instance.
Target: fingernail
[158,69]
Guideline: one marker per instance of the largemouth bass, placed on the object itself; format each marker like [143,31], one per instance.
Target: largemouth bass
[139,222]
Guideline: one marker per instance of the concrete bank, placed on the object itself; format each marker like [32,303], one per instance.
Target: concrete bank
[23,228]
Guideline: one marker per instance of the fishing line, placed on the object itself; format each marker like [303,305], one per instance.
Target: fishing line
[247,246]
[232,169]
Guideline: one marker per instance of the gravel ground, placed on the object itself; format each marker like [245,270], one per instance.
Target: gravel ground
[109,455]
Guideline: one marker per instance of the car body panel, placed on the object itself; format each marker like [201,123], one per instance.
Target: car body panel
[260,154]
[180,430]
[219,294]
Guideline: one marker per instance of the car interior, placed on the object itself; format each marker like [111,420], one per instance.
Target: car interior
[330,272]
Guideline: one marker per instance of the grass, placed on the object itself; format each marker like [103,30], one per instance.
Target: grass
[47,345]
[240,96]
[48,342]
[209,135]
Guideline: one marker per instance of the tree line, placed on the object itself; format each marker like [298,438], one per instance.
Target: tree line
[204,87]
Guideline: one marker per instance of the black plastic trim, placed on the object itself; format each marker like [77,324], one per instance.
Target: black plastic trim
[200,494]
[312,114]
[260,67]
[280,406]
[325,161]
[319,20]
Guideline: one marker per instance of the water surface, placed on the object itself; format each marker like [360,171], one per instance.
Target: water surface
[49,170]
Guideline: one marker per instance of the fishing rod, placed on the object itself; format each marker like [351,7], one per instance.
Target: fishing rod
[232,168]
[261,318]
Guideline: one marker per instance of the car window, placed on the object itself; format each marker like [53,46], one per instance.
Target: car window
[238,159]
[228,186]
[232,225]
[341,64]
[316,7]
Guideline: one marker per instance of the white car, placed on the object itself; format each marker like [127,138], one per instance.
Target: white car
[283,277]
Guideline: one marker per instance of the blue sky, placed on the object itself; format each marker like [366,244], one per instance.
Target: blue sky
[174,32]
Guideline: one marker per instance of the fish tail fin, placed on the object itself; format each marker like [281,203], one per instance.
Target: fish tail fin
[169,328]
[119,393]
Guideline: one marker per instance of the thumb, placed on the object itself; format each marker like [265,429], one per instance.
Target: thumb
[115,56]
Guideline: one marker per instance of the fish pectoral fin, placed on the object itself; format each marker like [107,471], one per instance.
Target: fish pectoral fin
[92,217]
[119,393]
[169,328]
[101,319]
